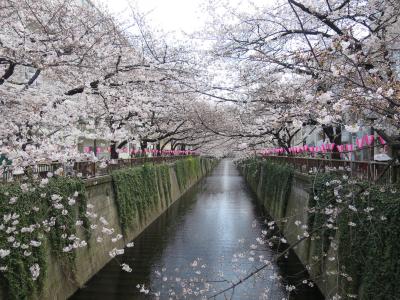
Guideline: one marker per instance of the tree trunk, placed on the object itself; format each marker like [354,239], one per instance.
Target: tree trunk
[143,146]
[333,137]
[113,150]
[158,147]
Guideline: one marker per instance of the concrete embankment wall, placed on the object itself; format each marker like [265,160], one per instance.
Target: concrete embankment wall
[102,193]
[285,195]
[129,200]
[357,255]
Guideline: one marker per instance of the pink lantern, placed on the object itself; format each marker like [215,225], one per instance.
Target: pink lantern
[359,143]
[381,140]
[370,139]
[349,147]
[364,140]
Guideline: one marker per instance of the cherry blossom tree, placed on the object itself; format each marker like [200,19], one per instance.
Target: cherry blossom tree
[345,50]
[70,70]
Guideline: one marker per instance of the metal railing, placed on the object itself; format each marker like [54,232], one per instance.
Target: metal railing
[366,170]
[83,169]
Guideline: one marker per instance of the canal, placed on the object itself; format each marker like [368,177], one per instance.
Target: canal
[204,241]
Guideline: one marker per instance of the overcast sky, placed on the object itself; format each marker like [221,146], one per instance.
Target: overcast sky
[169,15]
[176,15]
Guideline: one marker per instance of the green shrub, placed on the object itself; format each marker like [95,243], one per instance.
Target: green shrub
[140,189]
[34,205]
[271,181]
[366,228]
[368,250]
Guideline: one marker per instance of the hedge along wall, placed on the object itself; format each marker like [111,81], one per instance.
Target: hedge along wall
[269,181]
[367,237]
[141,194]
[32,227]
[142,191]
[363,242]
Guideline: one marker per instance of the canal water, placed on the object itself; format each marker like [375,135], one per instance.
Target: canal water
[201,244]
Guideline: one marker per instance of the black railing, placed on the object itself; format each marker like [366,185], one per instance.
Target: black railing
[384,172]
[84,169]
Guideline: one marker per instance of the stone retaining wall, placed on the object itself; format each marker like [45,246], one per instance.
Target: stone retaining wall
[293,207]
[60,283]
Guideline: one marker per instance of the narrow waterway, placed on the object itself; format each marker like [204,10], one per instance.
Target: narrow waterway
[200,244]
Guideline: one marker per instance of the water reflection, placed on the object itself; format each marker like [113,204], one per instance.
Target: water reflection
[195,240]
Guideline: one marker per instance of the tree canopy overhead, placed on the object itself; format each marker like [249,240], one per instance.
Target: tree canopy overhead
[72,70]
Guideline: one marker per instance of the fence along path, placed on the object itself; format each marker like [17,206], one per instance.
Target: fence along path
[384,172]
[83,169]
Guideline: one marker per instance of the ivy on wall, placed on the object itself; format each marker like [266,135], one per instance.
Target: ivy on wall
[321,197]
[135,190]
[140,189]
[368,248]
[362,220]
[31,227]
[271,182]
[41,218]
[187,170]
[276,184]
[165,182]
[251,170]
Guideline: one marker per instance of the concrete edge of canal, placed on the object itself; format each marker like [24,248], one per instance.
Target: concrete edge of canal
[60,283]
[296,203]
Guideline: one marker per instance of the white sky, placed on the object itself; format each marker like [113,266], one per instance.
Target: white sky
[169,15]
[177,15]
